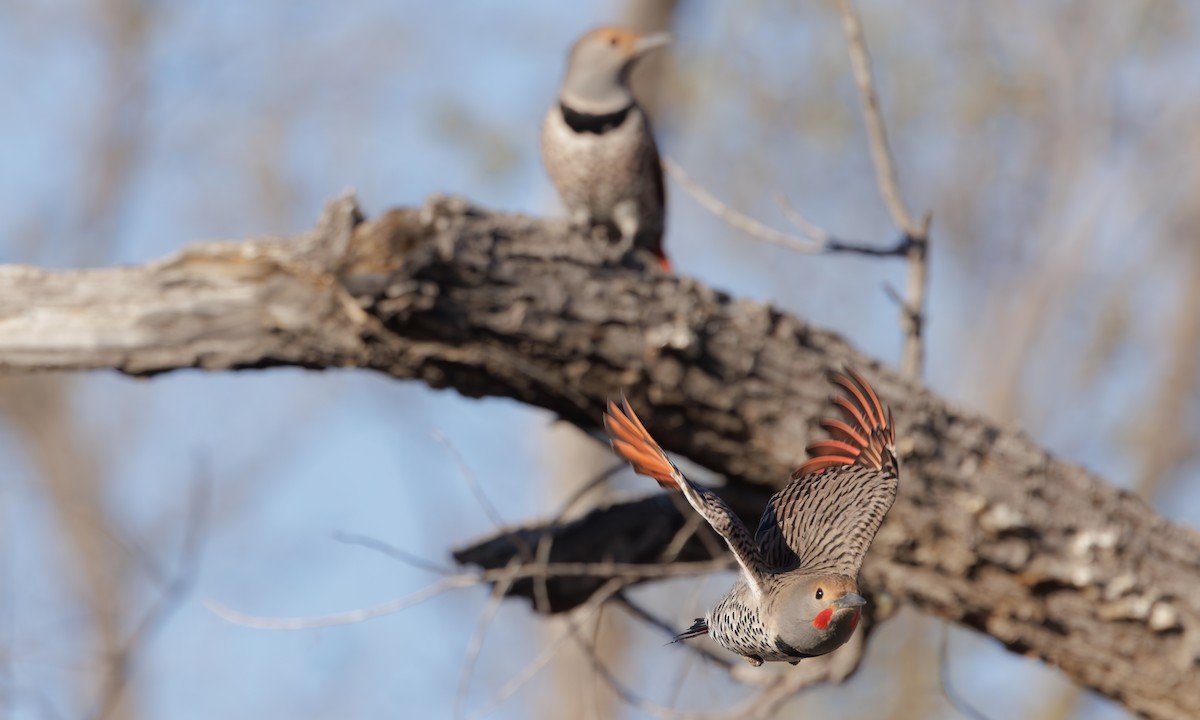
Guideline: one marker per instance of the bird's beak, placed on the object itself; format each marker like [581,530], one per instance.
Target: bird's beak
[646,43]
[850,600]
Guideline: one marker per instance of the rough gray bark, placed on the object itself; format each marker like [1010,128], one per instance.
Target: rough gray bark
[989,529]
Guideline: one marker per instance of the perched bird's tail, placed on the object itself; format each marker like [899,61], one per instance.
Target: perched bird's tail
[866,438]
[698,628]
[631,441]
[663,262]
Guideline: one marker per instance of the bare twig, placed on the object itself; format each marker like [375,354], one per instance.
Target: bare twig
[715,546]
[831,244]
[542,551]
[649,618]
[802,223]
[489,508]
[816,239]
[8,608]
[913,246]
[692,524]
[881,153]
[593,687]
[741,221]
[547,653]
[618,571]
[594,482]
[541,592]
[475,644]
[629,697]
[393,552]
[913,318]
[948,690]
[121,665]
[916,241]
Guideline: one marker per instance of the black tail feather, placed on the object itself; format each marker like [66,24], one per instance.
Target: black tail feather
[698,628]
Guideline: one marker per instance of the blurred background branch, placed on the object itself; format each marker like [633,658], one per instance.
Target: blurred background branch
[916,233]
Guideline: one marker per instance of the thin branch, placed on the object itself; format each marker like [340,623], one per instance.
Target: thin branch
[542,552]
[117,679]
[628,696]
[958,701]
[8,606]
[621,571]
[881,152]
[475,644]
[906,310]
[816,240]
[802,223]
[547,653]
[917,284]
[692,524]
[831,244]
[916,233]
[489,508]
[736,219]
[393,552]
[541,591]
[658,623]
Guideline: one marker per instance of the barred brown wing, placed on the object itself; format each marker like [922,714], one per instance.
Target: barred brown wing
[826,518]
[824,522]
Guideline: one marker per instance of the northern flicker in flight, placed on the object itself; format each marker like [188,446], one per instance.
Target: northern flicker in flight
[797,593]
[597,143]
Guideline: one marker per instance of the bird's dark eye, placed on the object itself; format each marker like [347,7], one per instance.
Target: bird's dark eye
[820,593]
[613,41]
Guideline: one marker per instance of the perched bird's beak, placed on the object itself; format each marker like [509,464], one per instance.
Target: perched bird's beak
[850,600]
[645,44]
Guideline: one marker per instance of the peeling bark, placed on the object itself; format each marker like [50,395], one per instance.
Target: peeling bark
[989,529]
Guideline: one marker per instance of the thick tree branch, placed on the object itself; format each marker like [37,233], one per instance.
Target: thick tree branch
[989,529]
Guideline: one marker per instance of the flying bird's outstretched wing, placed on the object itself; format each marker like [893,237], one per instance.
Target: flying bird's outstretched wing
[826,518]
[631,441]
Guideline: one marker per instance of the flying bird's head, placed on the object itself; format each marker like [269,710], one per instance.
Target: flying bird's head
[597,79]
[816,614]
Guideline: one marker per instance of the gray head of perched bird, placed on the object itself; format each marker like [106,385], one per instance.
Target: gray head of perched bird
[597,76]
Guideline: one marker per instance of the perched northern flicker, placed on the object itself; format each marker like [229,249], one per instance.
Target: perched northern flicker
[797,593]
[597,144]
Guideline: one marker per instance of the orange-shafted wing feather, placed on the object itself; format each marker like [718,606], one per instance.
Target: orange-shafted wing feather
[826,518]
[869,438]
[632,442]
[848,432]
